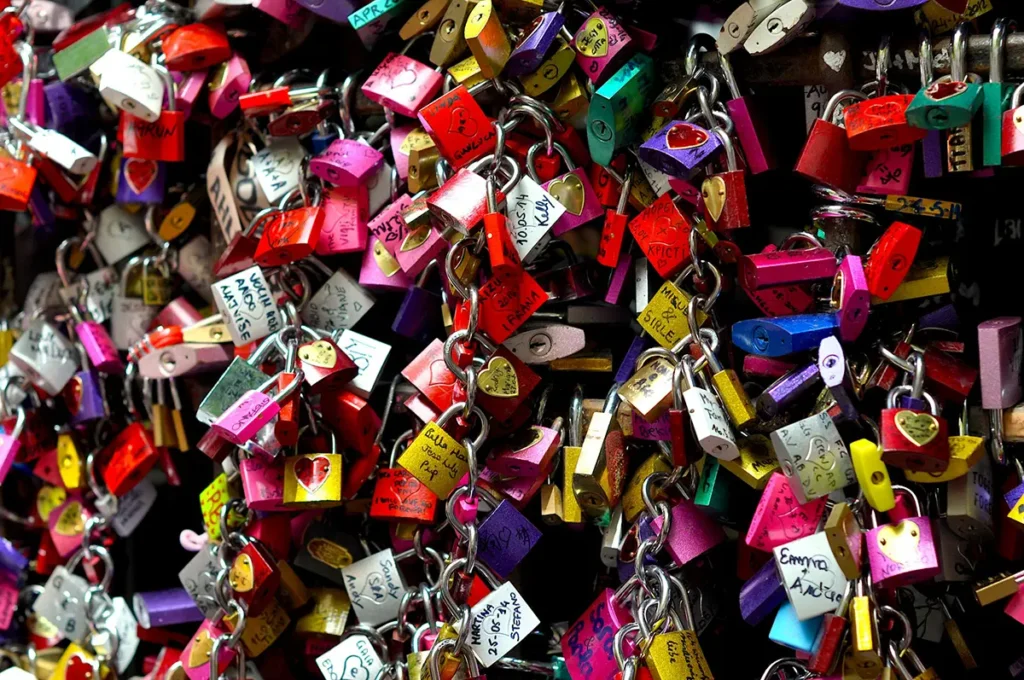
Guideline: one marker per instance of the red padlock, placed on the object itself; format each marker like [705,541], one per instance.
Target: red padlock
[891,258]
[161,140]
[325,366]
[195,47]
[290,235]
[400,497]
[254,577]
[663,233]
[460,129]
[827,157]
[16,182]
[131,456]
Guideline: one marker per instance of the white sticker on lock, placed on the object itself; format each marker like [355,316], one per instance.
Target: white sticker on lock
[810,575]
[120,233]
[532,211]
[710,424]
[62,603]
[247,305]
[45,356]
[129,85]
[369,355]
[375,588]
[340,303]
[378,189]
[277,167]
[656,178]
[133,507]
[353,658]
[498,623]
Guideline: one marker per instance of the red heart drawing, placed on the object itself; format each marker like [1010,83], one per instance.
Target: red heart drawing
[311,473]
[945,89]
[140,173]
[462,123]
[405,486]
[78,669]
[531,29]
[685,136]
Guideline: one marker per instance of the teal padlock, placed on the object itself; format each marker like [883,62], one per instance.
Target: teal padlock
[951,101]
[719,493]
[617,108]
[996,95]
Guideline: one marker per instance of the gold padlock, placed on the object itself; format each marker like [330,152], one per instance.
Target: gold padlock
[844,537]
[313,480]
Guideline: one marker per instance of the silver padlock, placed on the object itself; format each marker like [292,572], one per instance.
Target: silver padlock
[247,305]
[62,603]
[199,579]
[969,503]
[707,417]
[375,588]
[130,317]
[129,85]
[611,540]
[46,357]
[118,233]
[813,457]
[54,146]
[780,27]
[369,355]
[741,23]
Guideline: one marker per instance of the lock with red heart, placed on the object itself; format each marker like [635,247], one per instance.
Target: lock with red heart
[313,480]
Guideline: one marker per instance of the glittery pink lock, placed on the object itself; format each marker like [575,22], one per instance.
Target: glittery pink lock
[402,84]
[234,82]
[780,518]
[601,27]
[587,644]
[691,532]
[854,298]
[389,227]
[902,554]
[530,460]
[347,163]
[344,228]
[245,417]
[99,347]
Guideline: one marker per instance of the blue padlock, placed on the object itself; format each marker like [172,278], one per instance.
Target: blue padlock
[779,336]
[789,631]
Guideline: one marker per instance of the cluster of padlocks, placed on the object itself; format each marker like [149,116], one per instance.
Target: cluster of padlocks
[481,280]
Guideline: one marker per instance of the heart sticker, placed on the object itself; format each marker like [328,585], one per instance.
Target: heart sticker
[568,191]
[320,353]
[944,89]
[49,499]
[311,473]
[885,112]
[139,173]
[73,395]
[462,123]
[919,428]
[499,379]
[713,191]
[202,647]
[899,542]
[592,41]
[78,668]
[330,553]
[685,136]
[70,522]
[241,577]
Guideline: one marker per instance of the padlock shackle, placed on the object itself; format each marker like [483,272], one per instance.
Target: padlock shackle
[403,438]
[883,61]
[997,51]
[700,42]
[906,490]
[839,97]
[457,408]
[531,156]
[958,63]
[575,425]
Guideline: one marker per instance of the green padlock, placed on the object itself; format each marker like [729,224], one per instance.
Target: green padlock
[617,108]
[77,57]
[719,493]
[951,101]
[996,95]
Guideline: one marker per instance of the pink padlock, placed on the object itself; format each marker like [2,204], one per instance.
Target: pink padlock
[518,490]
[587,644]
[263,484]
[347,163]
[189,86]
[178,312]
[888,171]
[780,518]
[381,271]
[602,44]
[902,554]
[685,190]
[230,81]
[527,458]
[8,603]
[402,84]
[389,226]
[850,290]
[418,248]
[691,532]
[755,366]
[288,12]
[195,658]
[99,347]
[67,525]
[461,202]
[10,444]
[254,409]
[36,106]
[345,214]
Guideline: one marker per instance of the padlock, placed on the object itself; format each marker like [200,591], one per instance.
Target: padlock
[293,233]
[787,264]
[436,459]
[461,130]
[844,534]
[602,45]
[680,148]
[725,193]
[872,474]
[253,410]
[325,366]
[587,644]
[813,457]
[538,38]
[948,103]
[398,496]
[131,86]
[864,632]
[313,480]
[247,305]
[487,39]
[141,181]
[851,296]
[995,94]
[749,129]
[783,335]
[230,80]
[902,554]
[781,394]
[614,116]
[528,455]
[881,121]
[811,576]
[254,577]
[780,517]
[402,84]
[500,555]
[130,316]
[786,21]
[571,189]
[20,178]
[45,356]
[827,157]
[912,438]
[461,202]
[194,47]
[162,139]
[891,258]
[132,455]
[347,163]
[663,233]
[969,503]
[83,398]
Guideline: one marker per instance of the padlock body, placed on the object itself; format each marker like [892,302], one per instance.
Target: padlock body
[880,122]
[914,440]
[902,554]
[828,159]
[945,105]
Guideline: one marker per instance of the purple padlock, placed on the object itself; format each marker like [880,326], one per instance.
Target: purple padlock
[141,181]
[347,163]
[882,5]
[159,608]
[83,398]
[691,534]
[680,149]
[530,52]
[68,107]
[931,154]
[39,205]
[335,10]
[762,594]
[505,539]
[10,558]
